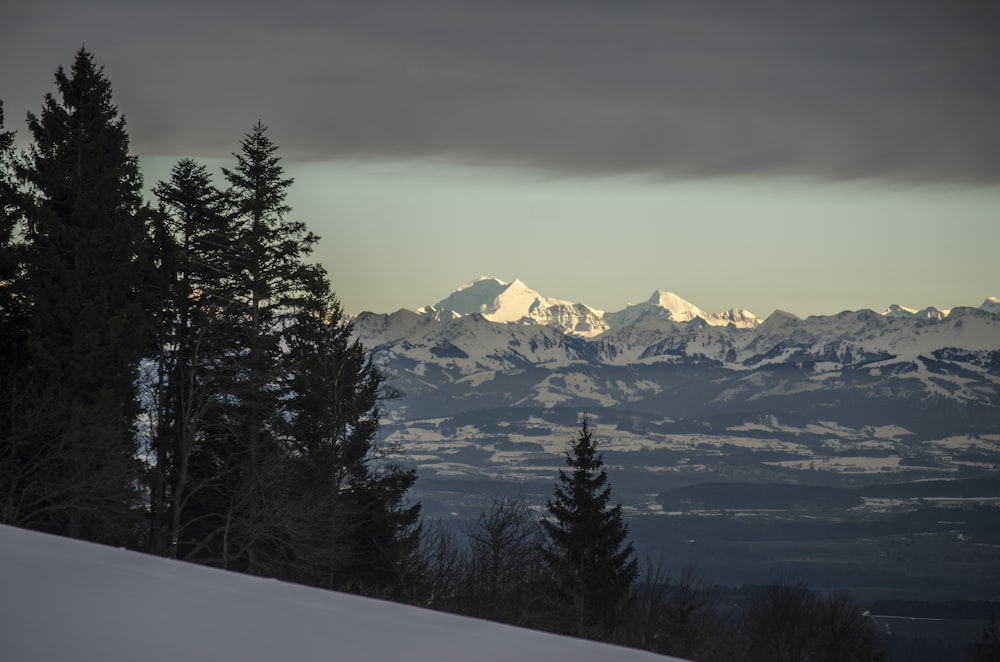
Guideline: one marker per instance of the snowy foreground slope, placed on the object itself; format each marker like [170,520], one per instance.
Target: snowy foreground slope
[62,599]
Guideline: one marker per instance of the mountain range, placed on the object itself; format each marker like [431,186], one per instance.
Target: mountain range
[498,301]
[496,377]
[490,325]
[515,302]
[503,353]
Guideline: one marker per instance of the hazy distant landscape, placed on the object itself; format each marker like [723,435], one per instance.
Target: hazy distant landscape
[856,451]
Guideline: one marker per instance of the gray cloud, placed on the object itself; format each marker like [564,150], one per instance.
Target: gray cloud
[906,90]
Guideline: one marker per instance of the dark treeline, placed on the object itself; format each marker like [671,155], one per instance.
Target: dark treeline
[177,378]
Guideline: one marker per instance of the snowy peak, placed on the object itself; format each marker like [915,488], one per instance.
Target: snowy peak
[739,317]
[895,310]
[660,304]
[929,313]
[515,302]
[469,299]
[491,297]
[672,307]
[991,305]
[679,309]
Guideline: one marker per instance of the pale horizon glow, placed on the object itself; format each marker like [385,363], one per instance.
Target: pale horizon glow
[404,234]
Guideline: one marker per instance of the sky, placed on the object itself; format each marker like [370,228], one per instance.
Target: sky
[803,156]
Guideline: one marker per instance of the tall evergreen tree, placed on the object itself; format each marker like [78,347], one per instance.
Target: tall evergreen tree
[589,561]
[195,249]
[84,277]
[265,443]
[271,281]
[353,525]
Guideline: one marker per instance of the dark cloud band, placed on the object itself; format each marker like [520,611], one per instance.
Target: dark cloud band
[901,90]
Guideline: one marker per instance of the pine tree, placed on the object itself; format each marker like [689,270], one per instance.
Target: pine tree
[84,282]
[589,562]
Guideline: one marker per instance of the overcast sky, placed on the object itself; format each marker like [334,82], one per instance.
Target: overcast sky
[808,156]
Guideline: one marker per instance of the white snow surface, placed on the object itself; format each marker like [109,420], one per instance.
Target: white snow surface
[68,600]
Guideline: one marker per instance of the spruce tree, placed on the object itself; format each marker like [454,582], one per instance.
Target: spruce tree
[84,283]
[194,240]
[271,280]
[265,443]
[355,529]
[590,563]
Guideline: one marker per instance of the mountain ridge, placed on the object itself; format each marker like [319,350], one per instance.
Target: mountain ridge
[850,398]
[515,302]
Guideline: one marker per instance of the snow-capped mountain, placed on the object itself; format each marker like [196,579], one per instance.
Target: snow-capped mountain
[503,345]
[929,313]
[515,302]
[495,376]
[895,310]
[991,304]
[472,343]
[492,325]
[670,306]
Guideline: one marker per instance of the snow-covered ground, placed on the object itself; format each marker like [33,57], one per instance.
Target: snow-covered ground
[63,599]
